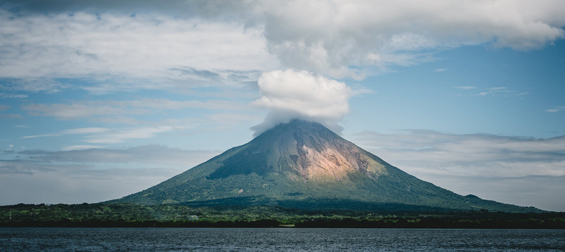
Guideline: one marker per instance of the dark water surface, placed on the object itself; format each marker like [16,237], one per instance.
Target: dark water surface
[277,239]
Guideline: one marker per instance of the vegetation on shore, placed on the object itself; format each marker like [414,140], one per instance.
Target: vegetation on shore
[133,215]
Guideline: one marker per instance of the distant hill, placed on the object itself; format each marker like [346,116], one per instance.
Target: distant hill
[304,165]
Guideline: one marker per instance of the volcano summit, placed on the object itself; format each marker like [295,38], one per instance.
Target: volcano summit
[303,164]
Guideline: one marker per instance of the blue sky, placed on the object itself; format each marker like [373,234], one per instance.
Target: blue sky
[101,99]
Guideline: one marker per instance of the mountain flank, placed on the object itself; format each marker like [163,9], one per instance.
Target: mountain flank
[304,165]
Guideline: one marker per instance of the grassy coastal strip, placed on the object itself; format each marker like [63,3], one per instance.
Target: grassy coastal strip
[133,215]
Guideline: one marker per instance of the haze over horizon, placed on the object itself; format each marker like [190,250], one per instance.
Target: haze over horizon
[101,99]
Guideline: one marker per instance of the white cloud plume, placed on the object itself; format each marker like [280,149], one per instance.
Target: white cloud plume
[289,94]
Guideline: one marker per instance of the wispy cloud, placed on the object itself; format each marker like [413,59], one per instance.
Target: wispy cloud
[153,154]
[471,155]
[494,91]
[440,70]
[71,131]
[516,170]
[556,109]
[179,79]
[79,110]
[124,52]
[85,131]
[358,90]
[91,174]
[11,116]
[501,91]
[26,84]
[466,87]
[108,136]
[88,109]
[81,147]
[18,166]
[119,136]
[12,96]
[232,118]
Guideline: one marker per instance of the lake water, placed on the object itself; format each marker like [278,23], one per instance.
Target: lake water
[277,239]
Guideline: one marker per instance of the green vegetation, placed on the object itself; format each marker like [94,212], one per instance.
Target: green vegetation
[132,215]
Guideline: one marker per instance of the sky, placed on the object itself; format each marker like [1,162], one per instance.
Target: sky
[101,99]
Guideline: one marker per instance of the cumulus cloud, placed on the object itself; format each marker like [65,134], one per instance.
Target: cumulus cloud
[290,94]
[330,36]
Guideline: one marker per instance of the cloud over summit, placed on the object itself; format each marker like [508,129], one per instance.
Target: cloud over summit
[303,95]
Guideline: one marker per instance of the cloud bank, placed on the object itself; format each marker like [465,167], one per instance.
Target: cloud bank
[302,95]
[89,175]
[123,52]
[469,155]
[337,38]
[502,168]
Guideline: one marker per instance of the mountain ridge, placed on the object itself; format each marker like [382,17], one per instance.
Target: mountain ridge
[303,164]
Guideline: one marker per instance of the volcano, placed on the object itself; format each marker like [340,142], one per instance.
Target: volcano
[303,164]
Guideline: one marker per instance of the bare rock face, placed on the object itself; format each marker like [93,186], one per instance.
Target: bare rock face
[305,165]
[316,153]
